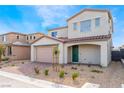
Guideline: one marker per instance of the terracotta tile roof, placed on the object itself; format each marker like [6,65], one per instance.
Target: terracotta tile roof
[47,37]
[73,40]
[100,37]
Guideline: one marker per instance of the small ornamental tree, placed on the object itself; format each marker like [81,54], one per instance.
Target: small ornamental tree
[55,57]
[2,50]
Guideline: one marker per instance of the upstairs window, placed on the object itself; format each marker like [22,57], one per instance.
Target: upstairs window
[85,26]
[30,37]
[17,37]
[27,37]
[54,34]
[34,37]
[75,26]
[97,22]
[2,38]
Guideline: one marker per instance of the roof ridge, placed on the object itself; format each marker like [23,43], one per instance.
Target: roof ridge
[88,9]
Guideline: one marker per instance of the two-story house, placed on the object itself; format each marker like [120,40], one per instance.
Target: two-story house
[18,44]
[86,39]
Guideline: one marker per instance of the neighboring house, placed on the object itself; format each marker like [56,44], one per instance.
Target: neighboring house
[18,44]
[86,39]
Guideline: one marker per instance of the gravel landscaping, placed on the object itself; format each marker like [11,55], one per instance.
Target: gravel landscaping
[110,77]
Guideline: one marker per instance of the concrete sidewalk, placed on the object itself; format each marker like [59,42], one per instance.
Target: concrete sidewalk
[32,81]
[12,83]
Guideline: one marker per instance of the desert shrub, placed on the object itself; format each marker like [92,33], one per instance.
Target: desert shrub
[75,68]
[81,69]
[89,65]
[13,65]
[37,70]
[5,59]
[23,62]
[46,72]
[75,75]
[79,64]
[62,74]
[96,71]
[62,66]
[93,77]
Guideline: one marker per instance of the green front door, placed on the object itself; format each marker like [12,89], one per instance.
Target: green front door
[75,53]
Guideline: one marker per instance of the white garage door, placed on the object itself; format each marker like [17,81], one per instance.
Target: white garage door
[44,54]
[89,54]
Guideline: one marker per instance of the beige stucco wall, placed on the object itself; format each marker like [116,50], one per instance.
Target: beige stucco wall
[104,28]
[109,49]
[102,51]
[12,37]
[37,35]
[63,32]
[21,52]
[69,54]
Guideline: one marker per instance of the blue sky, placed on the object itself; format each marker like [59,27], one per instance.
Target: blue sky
[29,19]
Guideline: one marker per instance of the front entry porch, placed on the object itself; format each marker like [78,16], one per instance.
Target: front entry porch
[86,54]
[94,53]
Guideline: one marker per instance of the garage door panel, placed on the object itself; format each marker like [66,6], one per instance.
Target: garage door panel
[90,54]
[44,54]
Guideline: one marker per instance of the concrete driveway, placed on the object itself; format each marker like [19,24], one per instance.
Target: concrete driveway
[12,83]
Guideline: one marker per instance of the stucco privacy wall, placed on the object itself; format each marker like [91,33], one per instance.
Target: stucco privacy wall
[104,28]
[63,32]
[103,51]
[45,42]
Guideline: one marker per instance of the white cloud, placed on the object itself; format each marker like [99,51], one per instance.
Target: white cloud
[53,14]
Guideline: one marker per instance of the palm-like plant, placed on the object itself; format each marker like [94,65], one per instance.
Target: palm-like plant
[2,50]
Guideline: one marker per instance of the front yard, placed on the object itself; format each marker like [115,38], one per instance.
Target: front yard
[109,77]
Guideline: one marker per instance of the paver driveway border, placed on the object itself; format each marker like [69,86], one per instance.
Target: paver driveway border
[33,81]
